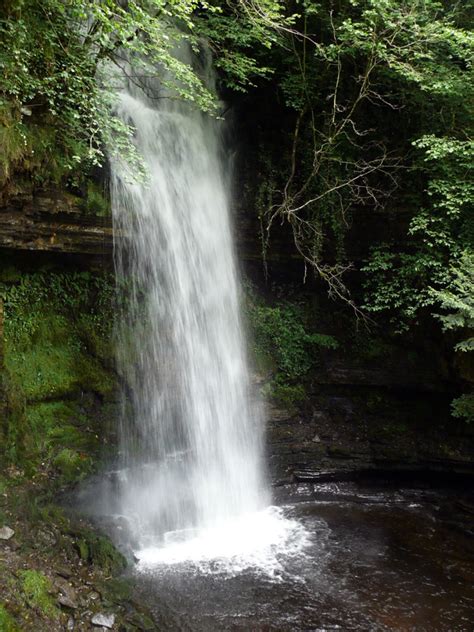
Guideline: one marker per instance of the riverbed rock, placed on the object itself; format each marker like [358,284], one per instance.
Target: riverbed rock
[6,533]
[103,620]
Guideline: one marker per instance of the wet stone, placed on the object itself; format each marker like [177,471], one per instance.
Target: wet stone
[103,620]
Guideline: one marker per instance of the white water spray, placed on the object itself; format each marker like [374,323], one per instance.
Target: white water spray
[191,431]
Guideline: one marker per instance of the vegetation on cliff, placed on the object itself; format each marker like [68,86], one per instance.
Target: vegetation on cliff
[372,107]
[57,346]
[357,107]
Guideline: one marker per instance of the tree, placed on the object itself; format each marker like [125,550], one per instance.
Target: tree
[351,72]
[62,62]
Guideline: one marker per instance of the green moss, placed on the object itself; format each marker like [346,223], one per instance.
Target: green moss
[83,550]
[44,347]
[290,396]
[57,335]
[99,551]
[36,149]
[53,424]
[49,514]
[72,465]
[263,360]
[7,622]
[15,439]
[44,371]
[49,369]
[105,555]
[12,139]
[36,588]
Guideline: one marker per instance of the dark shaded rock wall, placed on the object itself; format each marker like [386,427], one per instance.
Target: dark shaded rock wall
[361,413]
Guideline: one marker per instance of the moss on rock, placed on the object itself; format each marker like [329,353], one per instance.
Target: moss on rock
[99,551]
[37,589]
[58,328]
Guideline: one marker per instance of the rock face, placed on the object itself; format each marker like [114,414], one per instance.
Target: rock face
[52,221]
[344,429]
[359,414]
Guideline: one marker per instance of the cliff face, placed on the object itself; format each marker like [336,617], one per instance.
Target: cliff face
[377,402]
[52,221]
[366,405]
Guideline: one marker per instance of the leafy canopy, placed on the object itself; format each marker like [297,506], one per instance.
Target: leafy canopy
[62,62]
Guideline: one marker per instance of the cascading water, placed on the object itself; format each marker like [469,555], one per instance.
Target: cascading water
[191,431]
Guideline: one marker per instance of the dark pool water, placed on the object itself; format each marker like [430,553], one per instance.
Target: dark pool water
[375,559]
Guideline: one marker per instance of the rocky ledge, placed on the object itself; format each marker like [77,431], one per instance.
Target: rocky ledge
[53,221]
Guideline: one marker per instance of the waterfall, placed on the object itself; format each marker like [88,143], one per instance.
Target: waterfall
[191,429]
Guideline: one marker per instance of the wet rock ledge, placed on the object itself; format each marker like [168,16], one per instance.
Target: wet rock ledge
[53,221]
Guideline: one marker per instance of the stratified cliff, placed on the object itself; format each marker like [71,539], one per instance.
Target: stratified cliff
[369,402]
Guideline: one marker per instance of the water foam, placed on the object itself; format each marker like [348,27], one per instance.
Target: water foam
[261,541]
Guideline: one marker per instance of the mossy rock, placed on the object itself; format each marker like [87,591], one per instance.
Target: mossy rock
[288,396]
[99,551]
[54,370]
[340,452]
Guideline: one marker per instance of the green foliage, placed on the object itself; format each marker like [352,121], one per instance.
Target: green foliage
[12,140]
[237,35]
[284,344]
[400,281]
[37,589]
[350,74]
[397,283]
[458,301]
[436,266]
[463,407]
[7,622]
[281,332]
[63,61]
[72,465]
[287,395]
[65,293]
[96,202]
[58,329]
